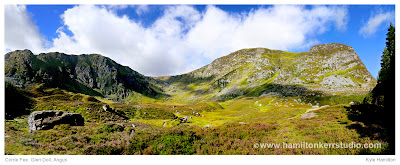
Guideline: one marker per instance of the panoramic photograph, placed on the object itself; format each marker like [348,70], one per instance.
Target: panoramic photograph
[199,80]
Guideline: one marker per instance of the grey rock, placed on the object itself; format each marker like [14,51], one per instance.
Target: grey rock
[337,80]
[106,107]
[196,114]
[184,119]
[44,120]
[324,106]
[208,126]
[308,115]
[132,133]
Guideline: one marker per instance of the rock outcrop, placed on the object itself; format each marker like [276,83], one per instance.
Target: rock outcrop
[44,120]
[183,119]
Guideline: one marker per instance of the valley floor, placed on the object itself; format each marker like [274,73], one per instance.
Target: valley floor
[239,126]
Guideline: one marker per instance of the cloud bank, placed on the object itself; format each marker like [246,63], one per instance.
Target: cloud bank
[20,31]
[181,39]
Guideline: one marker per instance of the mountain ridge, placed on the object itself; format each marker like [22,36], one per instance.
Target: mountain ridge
[326,69]
[89,74]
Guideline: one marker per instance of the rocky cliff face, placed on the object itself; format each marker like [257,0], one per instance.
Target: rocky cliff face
[330,68]
[327,69]
[89,74]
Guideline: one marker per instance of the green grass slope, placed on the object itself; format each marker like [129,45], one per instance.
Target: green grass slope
[230,127]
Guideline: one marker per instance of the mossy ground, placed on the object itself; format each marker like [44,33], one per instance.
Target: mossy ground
[236,125]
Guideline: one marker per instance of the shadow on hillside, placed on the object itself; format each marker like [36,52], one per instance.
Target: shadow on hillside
[118,114]
[283,90]
[77,87]
[187,79]
[16,102]
[270,90]
[371,121]
[201,91]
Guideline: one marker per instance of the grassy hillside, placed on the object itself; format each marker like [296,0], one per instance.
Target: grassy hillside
[328,69]
[230,127]
[249,97]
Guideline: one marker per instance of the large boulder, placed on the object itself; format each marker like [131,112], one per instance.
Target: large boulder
[43,120]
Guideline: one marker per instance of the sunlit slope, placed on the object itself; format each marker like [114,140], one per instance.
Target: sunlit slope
[327,69]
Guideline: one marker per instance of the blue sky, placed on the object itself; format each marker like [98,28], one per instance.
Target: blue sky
[158,40]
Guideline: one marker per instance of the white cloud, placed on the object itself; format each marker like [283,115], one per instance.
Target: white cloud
[374,22]
[20,32]
[183,39]
[116,7]
[277,27]
[157,50]
[141,9]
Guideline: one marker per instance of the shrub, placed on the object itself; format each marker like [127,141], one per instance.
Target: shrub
[91,99]
[76,97]
[154,113]
[57,97]
[109,128]
[62,127]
